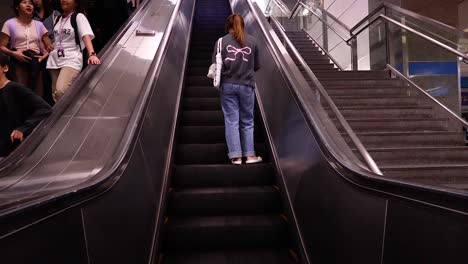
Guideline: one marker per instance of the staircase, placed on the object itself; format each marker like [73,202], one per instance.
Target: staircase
[218,212]
[407,137]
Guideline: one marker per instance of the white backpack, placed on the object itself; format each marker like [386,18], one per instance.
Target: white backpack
[215,69]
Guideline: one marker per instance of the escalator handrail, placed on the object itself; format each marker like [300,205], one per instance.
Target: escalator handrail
[354,138]
[111,169]
[427,95]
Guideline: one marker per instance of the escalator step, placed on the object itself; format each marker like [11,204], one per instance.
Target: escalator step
[201,91]
[200,80]
[203,118]
[223,232]
[201,104]
[210,134]
[186,176]
[209,153]
[249,200]
[270,256]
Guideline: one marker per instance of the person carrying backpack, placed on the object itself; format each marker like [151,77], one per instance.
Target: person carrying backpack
[72,33]
[26,41]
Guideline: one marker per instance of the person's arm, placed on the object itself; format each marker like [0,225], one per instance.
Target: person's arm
[33,104]
[87,35]
[4,39]
[93,58]
[47,42]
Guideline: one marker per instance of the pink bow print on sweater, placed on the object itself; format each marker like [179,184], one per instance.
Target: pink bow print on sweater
[232,49]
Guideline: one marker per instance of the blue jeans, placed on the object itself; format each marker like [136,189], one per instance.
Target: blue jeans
[238,103]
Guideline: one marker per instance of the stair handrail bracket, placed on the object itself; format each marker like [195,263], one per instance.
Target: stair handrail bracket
[354,138]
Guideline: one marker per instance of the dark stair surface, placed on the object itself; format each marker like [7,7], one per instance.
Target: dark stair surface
[404,134]
[217,212]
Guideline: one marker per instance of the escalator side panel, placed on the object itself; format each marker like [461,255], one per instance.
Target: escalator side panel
[60,239]
[120,225]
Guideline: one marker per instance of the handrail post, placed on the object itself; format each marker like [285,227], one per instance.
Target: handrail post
[325,31]
[354,54]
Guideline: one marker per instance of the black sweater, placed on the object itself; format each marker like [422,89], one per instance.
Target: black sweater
[20,109]
[239,63]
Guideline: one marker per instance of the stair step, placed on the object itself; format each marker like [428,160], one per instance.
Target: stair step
[442,176]
[395,124]
[208,201]
[201,104]
[226,175]
[419,155]
[201,91]
[409,139]
[355,112]
[362,83]
[354,75]
[270,256]
[315,67]
[221,232]
[209,135]
[343,101]
[209,153]
[366,91]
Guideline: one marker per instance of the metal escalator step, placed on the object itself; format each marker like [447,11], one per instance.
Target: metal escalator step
[201,104]
[201,91]
[196,134]
[270,256]
[224,232]
[209,153]
[209,201]
[191,176]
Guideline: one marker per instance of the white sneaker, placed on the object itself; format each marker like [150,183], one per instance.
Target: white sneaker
[236,162]
[257,160]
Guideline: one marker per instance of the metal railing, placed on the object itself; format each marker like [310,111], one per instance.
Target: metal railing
[426,94]
[354,138]
[351,41]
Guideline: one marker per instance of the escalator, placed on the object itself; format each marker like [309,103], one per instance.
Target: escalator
[218,212]
[151,181]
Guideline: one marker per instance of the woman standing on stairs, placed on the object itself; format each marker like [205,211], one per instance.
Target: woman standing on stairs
[240,61]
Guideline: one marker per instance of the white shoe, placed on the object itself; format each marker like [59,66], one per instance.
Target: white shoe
[236,162]
[257,160]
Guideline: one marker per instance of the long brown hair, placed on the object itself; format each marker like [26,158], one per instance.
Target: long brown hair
[235,22]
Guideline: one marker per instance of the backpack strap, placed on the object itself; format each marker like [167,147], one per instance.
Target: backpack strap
[57,19]
[75,28]
[11,23]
